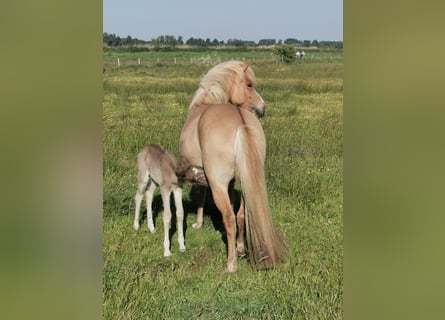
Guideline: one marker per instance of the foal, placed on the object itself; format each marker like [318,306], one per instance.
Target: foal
[156,166]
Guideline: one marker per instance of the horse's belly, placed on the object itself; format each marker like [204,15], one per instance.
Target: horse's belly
[189,146]
[192,156]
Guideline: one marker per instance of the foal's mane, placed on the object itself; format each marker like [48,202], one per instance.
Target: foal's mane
[214,87]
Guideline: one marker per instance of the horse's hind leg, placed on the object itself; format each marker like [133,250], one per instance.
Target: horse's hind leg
[222,201]
[202,191]
[240,221]
[165,193]
[142,184]
[149,198]
[179,218]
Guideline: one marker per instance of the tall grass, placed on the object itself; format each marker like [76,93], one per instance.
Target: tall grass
[303,126]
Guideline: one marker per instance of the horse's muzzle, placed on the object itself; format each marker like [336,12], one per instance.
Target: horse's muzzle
[260,113]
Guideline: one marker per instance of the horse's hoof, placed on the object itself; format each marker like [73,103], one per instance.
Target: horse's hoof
[197,225]
[136,226]
[229,270]
[152,230]
[240,251]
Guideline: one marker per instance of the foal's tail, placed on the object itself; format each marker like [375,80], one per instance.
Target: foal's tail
[266,247]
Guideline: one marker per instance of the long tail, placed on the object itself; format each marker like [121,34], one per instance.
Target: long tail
[265,245]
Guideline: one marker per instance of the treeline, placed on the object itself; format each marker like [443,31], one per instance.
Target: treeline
[165,41]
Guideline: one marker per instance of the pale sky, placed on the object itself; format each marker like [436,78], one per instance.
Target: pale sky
[225,19]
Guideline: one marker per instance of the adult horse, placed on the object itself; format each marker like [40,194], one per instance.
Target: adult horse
[222,140]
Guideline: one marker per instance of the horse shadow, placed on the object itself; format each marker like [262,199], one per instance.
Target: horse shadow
[210,209]
[190,207]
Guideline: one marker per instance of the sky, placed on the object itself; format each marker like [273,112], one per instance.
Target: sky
[225,19]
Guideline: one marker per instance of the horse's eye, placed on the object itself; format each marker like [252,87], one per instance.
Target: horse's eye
[249,85]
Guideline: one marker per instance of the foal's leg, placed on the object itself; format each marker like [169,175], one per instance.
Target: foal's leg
[240,221]
[149,198]
[202,191]
[165,193]
[142,184]
[222,201]
[138,199]
[179,218]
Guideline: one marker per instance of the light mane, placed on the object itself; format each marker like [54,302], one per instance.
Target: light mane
[215,86]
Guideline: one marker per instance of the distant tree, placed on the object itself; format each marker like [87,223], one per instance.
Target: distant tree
[307,43]
[324,44]
[331,44]
[159,41]
[166,41]
[291,41]
[111,40]
[235,42]
[170,41]
[250,44]
[128,41]
[196,42]
[138,41]
[267,42]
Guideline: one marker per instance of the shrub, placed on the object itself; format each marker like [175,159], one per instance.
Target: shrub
[285,52]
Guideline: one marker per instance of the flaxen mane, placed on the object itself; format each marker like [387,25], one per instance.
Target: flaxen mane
[215,85]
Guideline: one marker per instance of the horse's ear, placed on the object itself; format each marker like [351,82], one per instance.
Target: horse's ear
[245,65]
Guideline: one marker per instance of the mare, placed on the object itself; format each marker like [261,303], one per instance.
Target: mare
[157,166]
[223,140]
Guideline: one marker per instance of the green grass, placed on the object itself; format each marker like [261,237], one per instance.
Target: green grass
[304,167]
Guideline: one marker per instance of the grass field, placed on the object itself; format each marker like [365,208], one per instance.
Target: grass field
[148,103]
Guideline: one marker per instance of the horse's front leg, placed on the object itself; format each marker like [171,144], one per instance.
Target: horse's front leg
[202,191]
